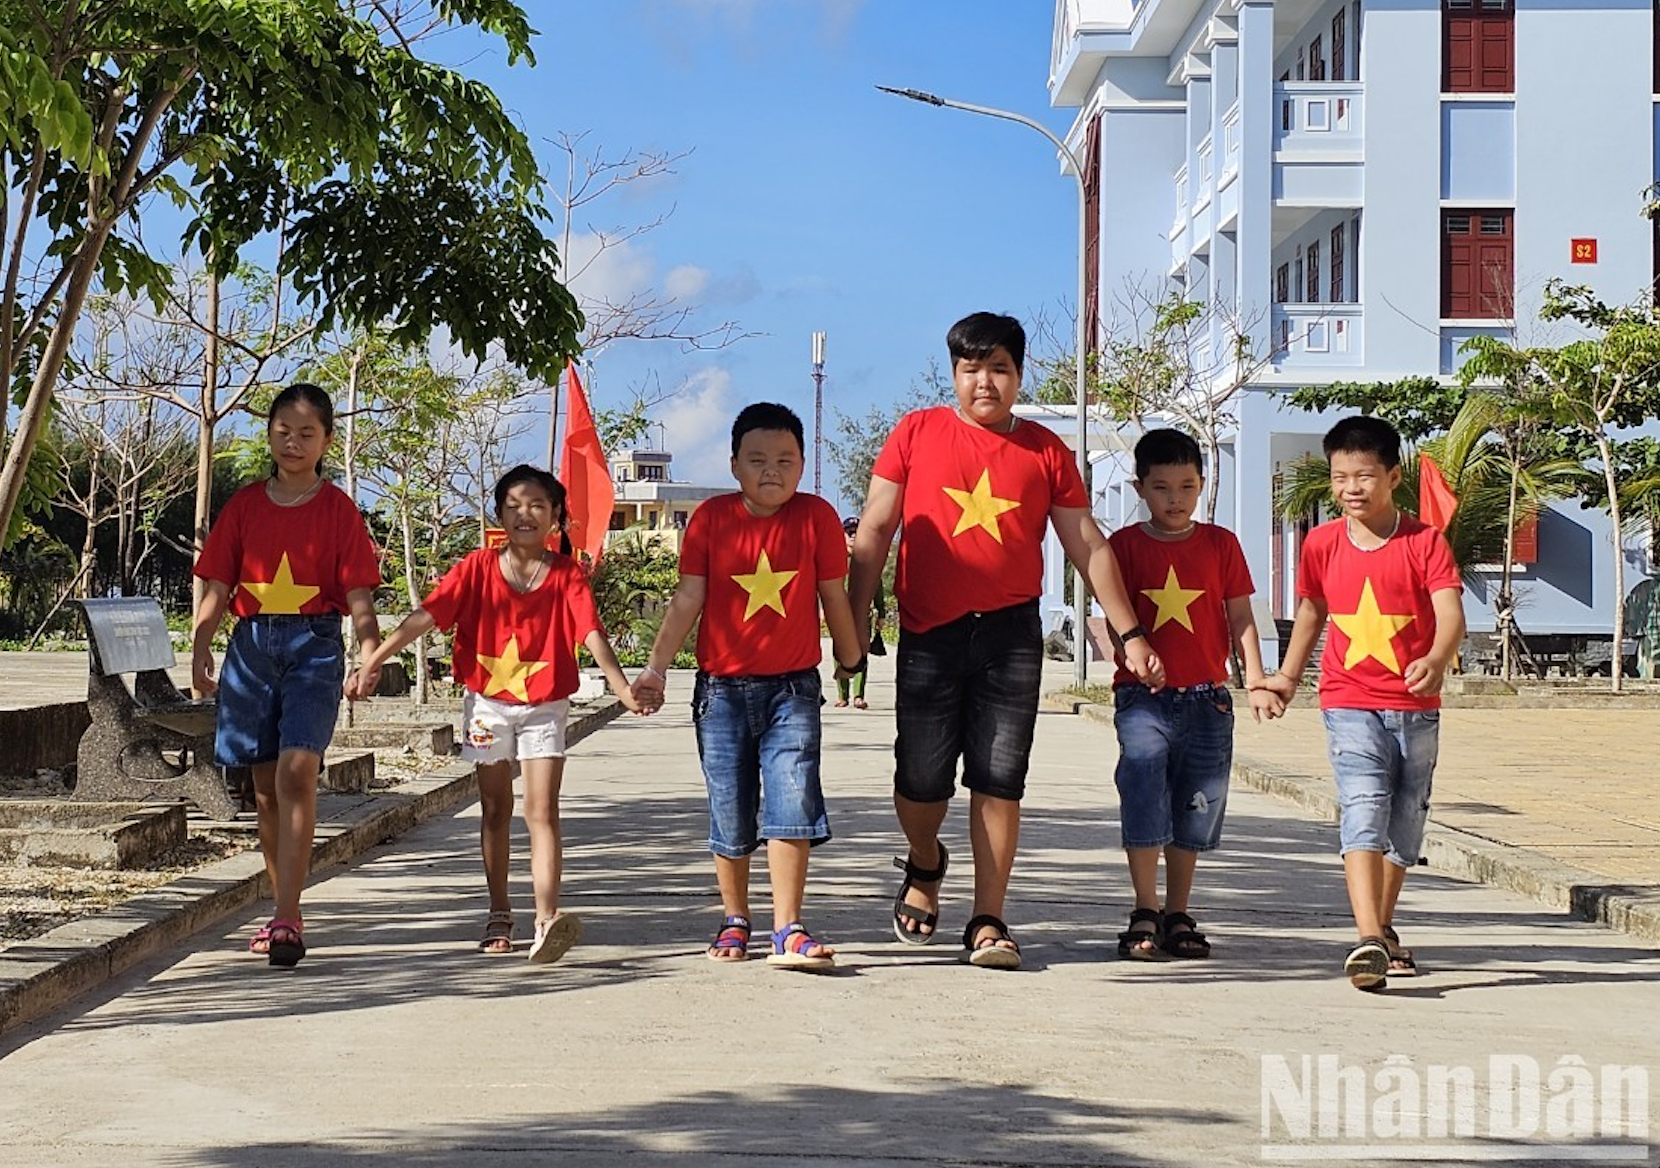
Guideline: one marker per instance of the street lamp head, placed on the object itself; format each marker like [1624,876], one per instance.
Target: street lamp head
[914,95]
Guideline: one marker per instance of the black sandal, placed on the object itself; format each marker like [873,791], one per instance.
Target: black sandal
[1401,961]
[993,954]
[1189,943]
[1129,941]
[903,912]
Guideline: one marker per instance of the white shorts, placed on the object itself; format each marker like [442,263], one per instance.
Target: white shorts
[493,731]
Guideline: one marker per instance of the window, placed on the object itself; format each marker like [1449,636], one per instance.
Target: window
[1314,272]
[1339,50]
[1297,273]
[1477,264]
[1339,291]
[651,473]
[1300,69]
[1282,282]
[1316,61]
[680,518]
[1478,46]
[619,520]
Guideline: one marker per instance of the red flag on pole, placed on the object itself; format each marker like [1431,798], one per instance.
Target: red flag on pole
[589,495]
[1436,501]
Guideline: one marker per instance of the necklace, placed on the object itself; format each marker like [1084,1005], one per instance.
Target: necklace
[1158,532]
[523,586]
[1348,529]
[270,493]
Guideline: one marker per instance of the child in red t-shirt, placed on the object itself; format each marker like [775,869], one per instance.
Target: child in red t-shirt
[289,556]
[758,565]
[1192,593]
[518,615]
[1392,592]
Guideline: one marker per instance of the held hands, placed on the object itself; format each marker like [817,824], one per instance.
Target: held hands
[1281,687]
[1264,701]
[647,693]
[1425,676]
[362,683]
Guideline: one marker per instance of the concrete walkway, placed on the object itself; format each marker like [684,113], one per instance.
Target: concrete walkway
[394,1039]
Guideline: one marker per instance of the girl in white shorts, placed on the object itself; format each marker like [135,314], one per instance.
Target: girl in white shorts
[518,613]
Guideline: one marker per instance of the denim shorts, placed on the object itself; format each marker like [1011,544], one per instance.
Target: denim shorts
[758,739]
[969,690]
[279,688]
[1175,753]
[1384,761]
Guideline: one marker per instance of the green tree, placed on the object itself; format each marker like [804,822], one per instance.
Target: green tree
[401,190]
[1416,406]
[1608,379]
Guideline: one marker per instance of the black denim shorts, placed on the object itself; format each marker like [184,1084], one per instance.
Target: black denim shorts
[968,690]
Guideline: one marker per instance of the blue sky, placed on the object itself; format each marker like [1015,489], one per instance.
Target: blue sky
[810,201]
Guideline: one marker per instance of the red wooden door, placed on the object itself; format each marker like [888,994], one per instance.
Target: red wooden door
[1478,52]
[1477,264]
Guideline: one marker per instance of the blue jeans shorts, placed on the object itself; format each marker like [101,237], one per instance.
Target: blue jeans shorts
[1384,761]
[1175,754]
[758,739]
[279,688]
[968,689]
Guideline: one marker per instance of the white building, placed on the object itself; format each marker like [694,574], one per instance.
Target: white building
[649,495]
[1365,184]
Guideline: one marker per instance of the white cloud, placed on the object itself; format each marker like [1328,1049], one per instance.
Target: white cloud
[609,273]
[697,425]
[686,282]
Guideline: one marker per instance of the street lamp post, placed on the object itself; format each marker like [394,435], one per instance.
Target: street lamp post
[1080,591]
[818,411]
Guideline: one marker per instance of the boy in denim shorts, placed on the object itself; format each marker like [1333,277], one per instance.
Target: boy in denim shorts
[1192,593]
[1392,593]
[757,564]
[976,488]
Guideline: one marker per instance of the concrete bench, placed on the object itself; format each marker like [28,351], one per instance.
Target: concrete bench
[124,753]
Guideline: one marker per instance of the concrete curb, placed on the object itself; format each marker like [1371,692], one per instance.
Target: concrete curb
[1585,895]
[39,975]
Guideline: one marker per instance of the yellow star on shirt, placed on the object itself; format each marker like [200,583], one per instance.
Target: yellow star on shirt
[280,596]
[1173,601]
[980,507]
[765,587]
[1371,631]
[508,674]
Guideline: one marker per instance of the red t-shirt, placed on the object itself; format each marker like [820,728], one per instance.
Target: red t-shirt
[761,613]
[289,560]
[1180,589]
[1380,615]
[975,511]
[514,646]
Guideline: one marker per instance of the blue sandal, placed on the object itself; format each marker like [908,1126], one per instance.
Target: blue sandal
[790,945]
[732,942]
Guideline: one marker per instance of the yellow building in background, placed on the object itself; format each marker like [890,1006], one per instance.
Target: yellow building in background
[650,496]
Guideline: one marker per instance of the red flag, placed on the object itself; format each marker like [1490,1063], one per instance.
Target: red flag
[589,495]
[1436,501]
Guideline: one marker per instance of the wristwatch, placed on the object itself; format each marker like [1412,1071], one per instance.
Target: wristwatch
[1132,633]
[858,666]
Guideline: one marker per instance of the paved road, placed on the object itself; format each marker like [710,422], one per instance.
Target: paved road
[395,1039]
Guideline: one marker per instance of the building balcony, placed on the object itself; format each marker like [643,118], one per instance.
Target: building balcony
[1318,336]
[1320,121]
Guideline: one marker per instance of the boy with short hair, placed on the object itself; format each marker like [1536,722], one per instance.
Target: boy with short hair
[1192,593]
[1394,598]
[757,564]
[976,487]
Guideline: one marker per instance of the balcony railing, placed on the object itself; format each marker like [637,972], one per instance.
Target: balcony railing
[1319,116]
[1318,335]
[1180,224]
[1230,144]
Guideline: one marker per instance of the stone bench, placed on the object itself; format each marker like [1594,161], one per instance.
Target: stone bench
[125,752]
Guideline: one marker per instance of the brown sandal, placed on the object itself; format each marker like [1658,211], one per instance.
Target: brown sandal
[498,935]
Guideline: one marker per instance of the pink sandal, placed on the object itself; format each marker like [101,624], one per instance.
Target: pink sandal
[287,945]
[260,943]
